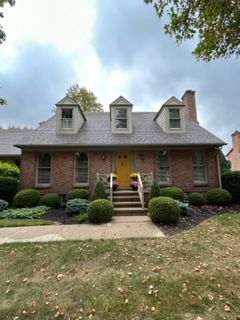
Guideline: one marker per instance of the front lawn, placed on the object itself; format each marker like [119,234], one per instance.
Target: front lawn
[193,275]
[24,222]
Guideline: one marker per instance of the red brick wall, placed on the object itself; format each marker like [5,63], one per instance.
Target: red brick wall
[62,175]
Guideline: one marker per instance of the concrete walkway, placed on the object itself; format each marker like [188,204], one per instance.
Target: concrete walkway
[118,228]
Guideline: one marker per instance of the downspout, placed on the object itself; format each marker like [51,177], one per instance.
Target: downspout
[219,169]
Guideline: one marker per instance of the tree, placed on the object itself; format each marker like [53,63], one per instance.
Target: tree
[86,99]
[216,25]
[2,33]
[225,164]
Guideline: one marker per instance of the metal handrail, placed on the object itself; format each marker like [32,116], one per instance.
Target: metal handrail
[140,190]
[111,187]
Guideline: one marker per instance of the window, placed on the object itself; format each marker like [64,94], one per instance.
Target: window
[121,118]
[199,167]
[44,168]
[67,119]
[174,119]
[163,167]
[81,168]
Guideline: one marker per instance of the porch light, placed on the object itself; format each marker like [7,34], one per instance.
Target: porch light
[142,157]
[103,156]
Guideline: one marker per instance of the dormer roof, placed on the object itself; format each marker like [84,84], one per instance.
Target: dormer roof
[173,101]
[121,101]
[67,101]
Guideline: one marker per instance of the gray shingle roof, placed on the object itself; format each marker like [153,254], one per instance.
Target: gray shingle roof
[9,137]
[96,131]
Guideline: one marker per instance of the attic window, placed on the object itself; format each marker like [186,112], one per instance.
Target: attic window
[121,118]
[67,119]
[174,119]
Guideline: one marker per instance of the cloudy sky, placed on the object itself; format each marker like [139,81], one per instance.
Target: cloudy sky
[113,48]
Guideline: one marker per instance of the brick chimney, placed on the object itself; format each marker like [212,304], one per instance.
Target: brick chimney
[190,105]
[236,140]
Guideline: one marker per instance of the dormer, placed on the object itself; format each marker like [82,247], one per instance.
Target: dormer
[171,116]
[121,115]
[69,116]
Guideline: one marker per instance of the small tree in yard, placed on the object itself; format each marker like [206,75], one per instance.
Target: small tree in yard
[99,191]
[155,190]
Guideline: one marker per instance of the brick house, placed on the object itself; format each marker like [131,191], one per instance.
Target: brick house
[234,154]
[71,148]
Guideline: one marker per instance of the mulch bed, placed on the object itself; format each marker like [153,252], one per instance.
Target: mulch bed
[195,216]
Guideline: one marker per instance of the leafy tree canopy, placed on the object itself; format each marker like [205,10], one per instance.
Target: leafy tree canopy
[86,99]
[225,164]
[216,25]
[2,33]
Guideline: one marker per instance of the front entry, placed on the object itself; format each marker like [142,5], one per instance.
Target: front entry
[123,168]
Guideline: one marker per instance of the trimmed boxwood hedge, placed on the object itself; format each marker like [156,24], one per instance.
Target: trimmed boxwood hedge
[155,190]
[51,199]
[77,194]
[100,210]
[173,192]
[8,188]
[26,198]
[163,209]
[99,191]
[196,199]
[219,197]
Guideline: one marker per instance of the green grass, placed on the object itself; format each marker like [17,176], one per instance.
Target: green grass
[24,222]
[193,275]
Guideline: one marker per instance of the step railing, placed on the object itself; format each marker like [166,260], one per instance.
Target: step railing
[140,190]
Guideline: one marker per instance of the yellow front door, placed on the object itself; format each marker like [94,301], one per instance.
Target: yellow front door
[123,168]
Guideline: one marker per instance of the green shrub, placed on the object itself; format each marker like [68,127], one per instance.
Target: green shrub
[155,190]
[173,192]
[196,199]
[183,207]
[8,188]
[100,210]
[9,170]
[24,213]
[77,194]
[77,205]
[99,191]
[3,205]
[231,183]
[82,217]
[163,209]
[26,198]
[219,197]
[51,200]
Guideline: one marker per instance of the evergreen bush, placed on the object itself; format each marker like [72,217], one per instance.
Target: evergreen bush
[77,205]
[26,198]
[99,191]
[196,199]
[219,197]
[163,209]
[51,200]
[231,183]
[3,205]
[173,192]
[100,210]
[77,194]
[155,190]
[8,188]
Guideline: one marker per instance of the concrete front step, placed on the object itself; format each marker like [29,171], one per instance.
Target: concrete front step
[127,204]
[130,211]
[125,192]
[125,198]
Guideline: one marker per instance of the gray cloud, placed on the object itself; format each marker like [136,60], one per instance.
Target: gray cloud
[128,35]
[37,78]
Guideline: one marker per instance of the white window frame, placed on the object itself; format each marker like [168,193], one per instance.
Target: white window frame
[66,119]
[204,166]
[169,168]
[82,184]
[41,184]
[127,119]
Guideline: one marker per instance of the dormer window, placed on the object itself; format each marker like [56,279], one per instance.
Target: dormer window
[121,118]
[67,119]
[174,119]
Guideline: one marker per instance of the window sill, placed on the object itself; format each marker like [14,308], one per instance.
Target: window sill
[200,184]
[81,185]
[47,185]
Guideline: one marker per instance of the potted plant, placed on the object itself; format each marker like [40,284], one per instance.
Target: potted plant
[134,183]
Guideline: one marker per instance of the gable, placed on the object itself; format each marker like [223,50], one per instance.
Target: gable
[67,102]
[121,101]
[173,101]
